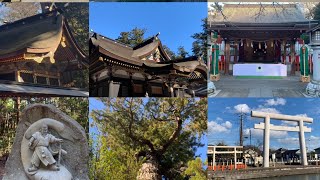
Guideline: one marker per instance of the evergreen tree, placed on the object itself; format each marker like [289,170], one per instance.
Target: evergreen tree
[199,46]
[316,12]
[182,53]
[163,133]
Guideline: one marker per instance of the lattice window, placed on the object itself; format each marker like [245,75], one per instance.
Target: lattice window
[317,36]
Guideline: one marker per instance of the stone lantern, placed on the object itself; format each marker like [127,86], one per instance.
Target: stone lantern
[313,87]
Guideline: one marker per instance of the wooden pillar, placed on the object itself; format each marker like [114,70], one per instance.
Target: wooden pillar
[214,157]
[48,80]
[34,78]
[130,87]
[17,76]
[293,57]
[146,86]
[235,158]
[284,42]
[236,51]
[59,76]
[227,52]
[171,89]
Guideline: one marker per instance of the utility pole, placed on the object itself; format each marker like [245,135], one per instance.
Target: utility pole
[250,138]
[242,116]
[241,129]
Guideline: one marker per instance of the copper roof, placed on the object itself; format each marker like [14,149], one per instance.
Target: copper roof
[132,55]
[259,13]
[36,36]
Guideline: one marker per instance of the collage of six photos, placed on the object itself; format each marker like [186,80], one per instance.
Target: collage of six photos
[159,91]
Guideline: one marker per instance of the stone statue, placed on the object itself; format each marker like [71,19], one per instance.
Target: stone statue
[40,143]
[43,137]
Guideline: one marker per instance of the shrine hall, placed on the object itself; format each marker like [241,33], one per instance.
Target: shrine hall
[145,70]
[259,39]
[40,57]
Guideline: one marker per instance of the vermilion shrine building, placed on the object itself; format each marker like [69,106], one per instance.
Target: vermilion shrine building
[260,39]
[40,57]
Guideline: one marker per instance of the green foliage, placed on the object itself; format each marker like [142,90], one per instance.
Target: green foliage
[112,161]
[316,12]
[133,37]
[77,15]
[195,170]
[170,53]
[199,46]
[182,53]
[167,129]
[8,123]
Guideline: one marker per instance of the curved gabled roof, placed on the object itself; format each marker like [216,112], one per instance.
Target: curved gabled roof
[131,55]
[37,36]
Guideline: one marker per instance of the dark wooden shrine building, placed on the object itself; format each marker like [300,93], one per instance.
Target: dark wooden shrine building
[40,57]
[259,33]
[144,70]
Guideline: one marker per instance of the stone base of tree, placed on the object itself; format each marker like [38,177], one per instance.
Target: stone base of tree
[149,171]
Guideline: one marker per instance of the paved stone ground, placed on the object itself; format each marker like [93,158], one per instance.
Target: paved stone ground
[232,87]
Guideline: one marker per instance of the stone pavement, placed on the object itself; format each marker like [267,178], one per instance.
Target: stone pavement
[229,86]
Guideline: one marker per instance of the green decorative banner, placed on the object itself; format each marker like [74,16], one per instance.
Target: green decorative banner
[304,61]
[215,61]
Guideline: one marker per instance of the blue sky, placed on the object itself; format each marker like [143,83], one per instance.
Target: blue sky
[176,22]
[94,103]
[224,123]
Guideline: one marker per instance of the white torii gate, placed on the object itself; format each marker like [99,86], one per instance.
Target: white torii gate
[266,126]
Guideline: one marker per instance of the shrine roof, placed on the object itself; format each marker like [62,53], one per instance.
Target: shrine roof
[126,53]
[261,14]
[37,35]
[121,54]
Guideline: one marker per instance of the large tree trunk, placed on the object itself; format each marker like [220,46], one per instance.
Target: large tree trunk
[149,171]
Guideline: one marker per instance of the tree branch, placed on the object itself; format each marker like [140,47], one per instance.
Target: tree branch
[173,136]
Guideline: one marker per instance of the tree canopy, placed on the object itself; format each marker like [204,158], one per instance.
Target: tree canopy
[164,131]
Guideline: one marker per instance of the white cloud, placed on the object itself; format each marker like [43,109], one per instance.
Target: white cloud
[289,140]
[214,127]
[289,123]
[228,124]
[267,110]
[314,138]
[258,133]
[242,108]
[275,102]
[293,123]
[219,119]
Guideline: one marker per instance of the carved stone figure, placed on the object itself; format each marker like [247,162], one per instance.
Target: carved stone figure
[43,137]
[40,143]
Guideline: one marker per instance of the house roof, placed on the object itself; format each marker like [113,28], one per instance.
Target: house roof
[259,14]
[38,36]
